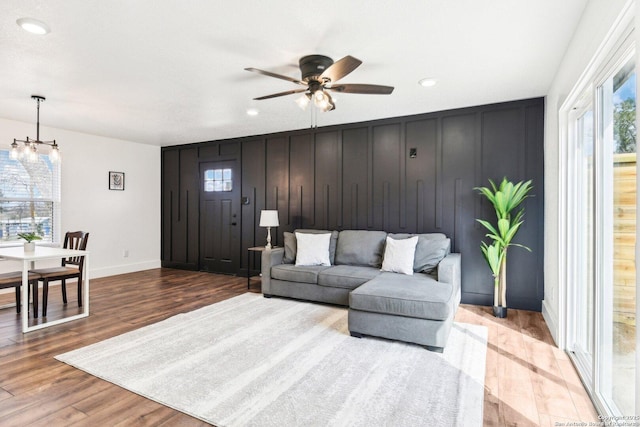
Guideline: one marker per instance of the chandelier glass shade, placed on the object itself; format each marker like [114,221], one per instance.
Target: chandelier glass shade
[27,149]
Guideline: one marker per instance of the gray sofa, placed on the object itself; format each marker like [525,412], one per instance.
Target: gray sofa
[416,308]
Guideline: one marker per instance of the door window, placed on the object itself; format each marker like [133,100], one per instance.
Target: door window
[217,180]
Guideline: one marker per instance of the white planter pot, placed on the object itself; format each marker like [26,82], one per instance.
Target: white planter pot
[30,247]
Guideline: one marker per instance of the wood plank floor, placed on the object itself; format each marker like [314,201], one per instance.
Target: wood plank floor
[529,381]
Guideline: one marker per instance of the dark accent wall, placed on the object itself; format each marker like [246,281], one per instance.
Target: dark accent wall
[361,176]
[180,208]
[180,195]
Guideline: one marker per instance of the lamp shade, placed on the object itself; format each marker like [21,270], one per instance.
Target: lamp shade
[269,218]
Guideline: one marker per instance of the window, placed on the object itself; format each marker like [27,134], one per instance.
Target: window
[29,198]
[218,180]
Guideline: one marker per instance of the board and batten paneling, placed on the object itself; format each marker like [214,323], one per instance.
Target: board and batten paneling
[363,176]
[180,208]
[354,171]
[328,200]
[253,189]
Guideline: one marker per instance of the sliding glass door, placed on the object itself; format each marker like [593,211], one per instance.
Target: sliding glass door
[617,236]
[582,240]
[602,188]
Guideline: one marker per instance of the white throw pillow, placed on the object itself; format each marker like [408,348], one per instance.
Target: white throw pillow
[399,254]
[313,249]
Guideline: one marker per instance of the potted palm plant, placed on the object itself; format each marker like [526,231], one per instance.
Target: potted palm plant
[29,246]
[505,198]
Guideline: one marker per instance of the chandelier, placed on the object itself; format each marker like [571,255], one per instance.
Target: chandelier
[28,149]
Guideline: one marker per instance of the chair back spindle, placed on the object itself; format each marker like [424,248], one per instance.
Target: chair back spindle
[75,240]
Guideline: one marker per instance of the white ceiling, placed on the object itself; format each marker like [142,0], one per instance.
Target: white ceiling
[167,72]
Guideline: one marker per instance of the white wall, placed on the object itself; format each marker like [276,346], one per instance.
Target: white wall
[597,19]
[116,220]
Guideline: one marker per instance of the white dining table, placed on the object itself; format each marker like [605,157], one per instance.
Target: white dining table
[28,263]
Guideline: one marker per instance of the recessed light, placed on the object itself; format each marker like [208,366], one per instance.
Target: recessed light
[252,111]
[427,82]
[33,26]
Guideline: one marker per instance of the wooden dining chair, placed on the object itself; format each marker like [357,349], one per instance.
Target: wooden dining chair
[71,268]
[14,280]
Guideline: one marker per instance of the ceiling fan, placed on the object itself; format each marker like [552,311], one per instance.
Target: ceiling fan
[319,75]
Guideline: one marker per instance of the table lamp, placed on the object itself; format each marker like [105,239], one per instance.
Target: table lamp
[269,218]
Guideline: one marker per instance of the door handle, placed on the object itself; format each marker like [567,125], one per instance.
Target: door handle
[234,223]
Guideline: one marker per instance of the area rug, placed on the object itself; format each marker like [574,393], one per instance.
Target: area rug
[252,361]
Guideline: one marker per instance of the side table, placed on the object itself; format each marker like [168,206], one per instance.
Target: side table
[250,251]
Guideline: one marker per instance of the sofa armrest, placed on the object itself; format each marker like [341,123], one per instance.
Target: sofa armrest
[270,257]
[449,270]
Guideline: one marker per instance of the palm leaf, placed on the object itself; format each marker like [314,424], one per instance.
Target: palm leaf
[504,226]
[486,192]
[511,232]
[492,255]
[500,204]
[520,193]
[488,226]
[521,246]
[493,185]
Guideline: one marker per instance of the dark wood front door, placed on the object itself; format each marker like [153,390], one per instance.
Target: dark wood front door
[219,216]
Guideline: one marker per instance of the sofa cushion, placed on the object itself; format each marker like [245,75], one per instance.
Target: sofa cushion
[291,273]
[430,250]
[346,276]
[291,247]
[360,247]
[418,296]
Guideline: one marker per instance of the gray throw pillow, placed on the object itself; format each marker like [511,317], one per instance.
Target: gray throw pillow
[360,247]
[429,253]
[291,245]
[290,248]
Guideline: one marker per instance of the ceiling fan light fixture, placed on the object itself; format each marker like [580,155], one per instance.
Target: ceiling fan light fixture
[330,106]
[303,101]
[322,100]
[323,105]
[33,26]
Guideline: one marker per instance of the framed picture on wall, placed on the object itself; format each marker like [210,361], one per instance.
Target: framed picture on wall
[116,181]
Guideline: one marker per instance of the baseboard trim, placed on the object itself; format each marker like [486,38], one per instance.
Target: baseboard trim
[552,321]
[123,269]
[108,271]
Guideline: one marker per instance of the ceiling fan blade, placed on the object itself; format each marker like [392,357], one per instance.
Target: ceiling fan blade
[362,88]
[277,76]
[275,95]
[341,68]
